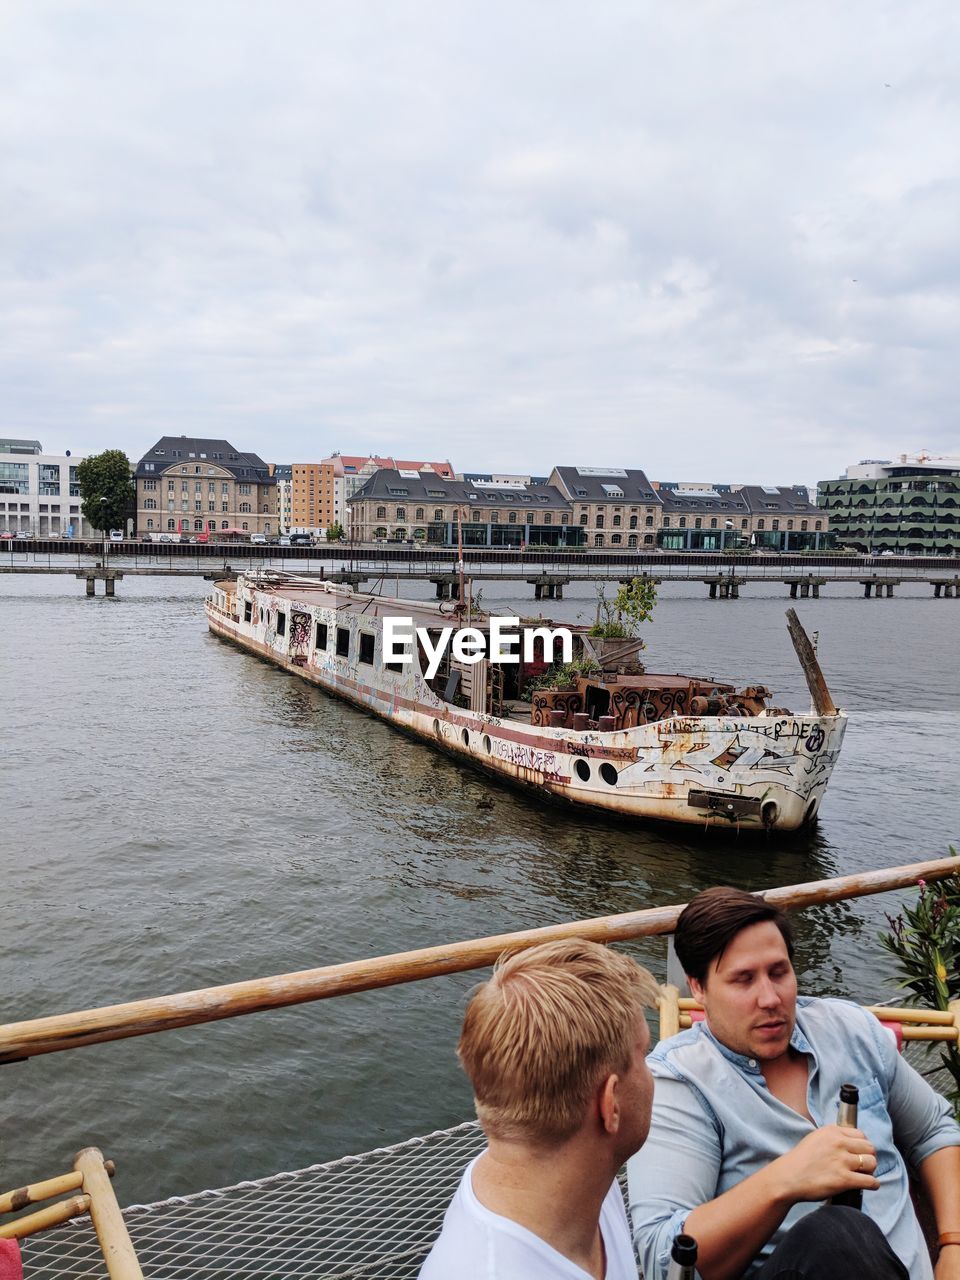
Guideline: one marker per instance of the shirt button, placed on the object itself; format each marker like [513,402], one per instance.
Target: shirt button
[751,1062]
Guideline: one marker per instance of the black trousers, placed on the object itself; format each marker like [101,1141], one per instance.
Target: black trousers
[833,1243]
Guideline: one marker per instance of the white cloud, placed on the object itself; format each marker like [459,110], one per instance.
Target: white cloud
[711,238]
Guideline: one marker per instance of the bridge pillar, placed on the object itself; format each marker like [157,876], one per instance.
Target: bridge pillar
[713,590]
[558,591]
[734,590]
[91,585]
[109,586]
[889,589]
[866,590]
[816,591]
[804,590]
[947,590]
[936,590]
[537,591]
[793,590]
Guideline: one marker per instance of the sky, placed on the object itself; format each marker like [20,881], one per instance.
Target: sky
[717,241]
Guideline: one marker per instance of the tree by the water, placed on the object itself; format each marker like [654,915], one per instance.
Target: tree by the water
[106,488]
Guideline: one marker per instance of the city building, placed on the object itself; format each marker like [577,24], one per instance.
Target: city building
[189,485]
[39,492]
[611,506]
[312,497]
[283,474]
[410,506]
[911,505]
[351,472]
[736,517]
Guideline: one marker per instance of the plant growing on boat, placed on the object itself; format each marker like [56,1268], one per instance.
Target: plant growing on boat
[562,676]
[620,618]
[925,941]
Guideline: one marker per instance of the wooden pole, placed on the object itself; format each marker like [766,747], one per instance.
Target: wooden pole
[52,1216]
[11,1201]
[20,1040]
[817,685]
[107,1219]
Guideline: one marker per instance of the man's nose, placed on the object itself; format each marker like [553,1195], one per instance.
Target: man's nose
[767,994]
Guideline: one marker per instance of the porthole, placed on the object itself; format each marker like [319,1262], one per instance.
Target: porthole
[487,745]
[582,770]
[609,774]
[261,613]
[437,729]
[770,812]
[465,735]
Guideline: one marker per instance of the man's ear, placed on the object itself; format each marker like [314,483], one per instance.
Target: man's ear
[696,988]
[609,1103]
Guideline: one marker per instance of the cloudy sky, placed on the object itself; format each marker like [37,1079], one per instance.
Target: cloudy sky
[714,240]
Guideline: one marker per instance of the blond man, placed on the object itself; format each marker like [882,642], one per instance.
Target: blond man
[555,1047]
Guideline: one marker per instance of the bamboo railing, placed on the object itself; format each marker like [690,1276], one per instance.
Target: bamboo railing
[21,1040]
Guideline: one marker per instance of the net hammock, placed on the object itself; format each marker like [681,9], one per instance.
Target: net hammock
[363,1217]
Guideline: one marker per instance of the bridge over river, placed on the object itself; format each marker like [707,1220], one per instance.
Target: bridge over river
[723,575]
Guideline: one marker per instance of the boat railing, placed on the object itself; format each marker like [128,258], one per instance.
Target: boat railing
[52,1034]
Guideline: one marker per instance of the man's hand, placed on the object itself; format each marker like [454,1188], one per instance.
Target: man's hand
[948,1264]
[827,1161]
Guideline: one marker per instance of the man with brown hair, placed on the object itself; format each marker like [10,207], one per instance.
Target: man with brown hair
[555,1047]
[744,1149]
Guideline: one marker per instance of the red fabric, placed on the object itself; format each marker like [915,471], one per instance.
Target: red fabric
[11,1268]
[696,1015]
[897,1029]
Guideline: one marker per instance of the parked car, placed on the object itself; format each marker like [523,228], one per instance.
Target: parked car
[23,536]
[259,538]
[169,537]
[116,535]
[7,537]
[200,537]
[284,540]
[301,540]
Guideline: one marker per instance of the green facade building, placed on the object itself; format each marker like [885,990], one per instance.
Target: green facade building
[908,507]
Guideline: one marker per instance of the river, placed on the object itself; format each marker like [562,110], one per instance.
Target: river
[178,814]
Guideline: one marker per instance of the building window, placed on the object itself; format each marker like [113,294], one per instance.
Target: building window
[666,522]
[245,507]
[803,526]
[401,513]
[171,524]
[713,522]
[169,486]
[632,540]
[224,524]
[616,539]
[789,524]
[633,524]
[744,524]
[225,491]
[244,525]
[381,513]
[616,522]
[760,523]
[583,519]
[775,525]
[366,648]
[244,488]
[512,517]
[322,636]
[682,522]
[149,524]
[598,539]
[149,484]
[343,642]
[648,539]
[419,515]
[529,517]
[600,526]
[150,504]
[198,526]
[438,514]
[281,624]
[224,506]
[817,525]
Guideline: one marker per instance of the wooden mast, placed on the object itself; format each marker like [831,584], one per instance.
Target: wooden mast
[822,701]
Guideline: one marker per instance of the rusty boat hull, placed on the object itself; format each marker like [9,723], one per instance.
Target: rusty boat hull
[765,772]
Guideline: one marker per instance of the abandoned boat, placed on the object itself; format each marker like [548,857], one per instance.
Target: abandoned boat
[674,748]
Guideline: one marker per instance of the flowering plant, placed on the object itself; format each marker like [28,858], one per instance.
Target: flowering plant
[925,941]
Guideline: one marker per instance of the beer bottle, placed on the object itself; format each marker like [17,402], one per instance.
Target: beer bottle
[847,1116]
[683,1259]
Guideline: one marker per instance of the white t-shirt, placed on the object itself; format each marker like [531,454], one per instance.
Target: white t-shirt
[476,1244]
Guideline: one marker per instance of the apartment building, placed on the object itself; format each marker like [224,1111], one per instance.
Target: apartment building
[911,505]
[39,492]
[190,485]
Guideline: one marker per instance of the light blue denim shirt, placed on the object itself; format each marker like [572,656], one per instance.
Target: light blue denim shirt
[715,1123]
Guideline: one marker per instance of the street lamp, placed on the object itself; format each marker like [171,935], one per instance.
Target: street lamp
[103,528]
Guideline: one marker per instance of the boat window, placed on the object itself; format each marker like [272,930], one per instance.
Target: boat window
[582,770]
[343,642]
[367,643]
[281,624]
[608,773]
[322,636]
[247,610]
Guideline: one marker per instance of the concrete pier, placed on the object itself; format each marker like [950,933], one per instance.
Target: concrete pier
[97,573]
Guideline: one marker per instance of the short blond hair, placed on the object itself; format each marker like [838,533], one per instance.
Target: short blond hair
[550,1024]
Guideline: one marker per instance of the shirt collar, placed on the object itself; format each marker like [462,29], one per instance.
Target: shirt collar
[750,1066]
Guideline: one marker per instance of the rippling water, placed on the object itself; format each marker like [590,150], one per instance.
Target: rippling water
[179,814]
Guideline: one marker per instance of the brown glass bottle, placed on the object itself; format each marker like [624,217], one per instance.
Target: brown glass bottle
[683,1259]
[847,1116]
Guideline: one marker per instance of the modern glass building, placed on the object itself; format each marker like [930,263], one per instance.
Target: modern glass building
[910,507]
